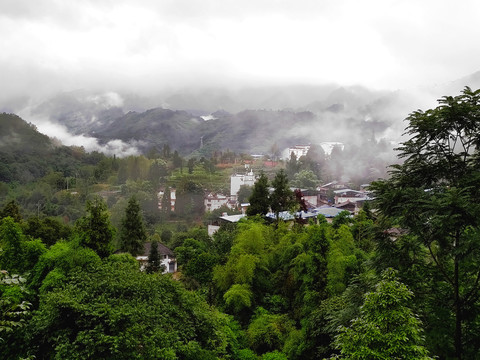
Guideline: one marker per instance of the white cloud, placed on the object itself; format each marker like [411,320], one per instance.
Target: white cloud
[144,46]
[115,147]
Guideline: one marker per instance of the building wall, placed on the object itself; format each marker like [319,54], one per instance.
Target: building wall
[215,202]
[238,180]
[299,151]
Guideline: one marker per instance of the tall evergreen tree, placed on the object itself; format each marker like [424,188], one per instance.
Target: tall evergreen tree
[259,200]
[94,229]
[153,258]
[132,231]
[282,197]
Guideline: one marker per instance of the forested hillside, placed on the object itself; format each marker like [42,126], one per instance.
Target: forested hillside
[399,279]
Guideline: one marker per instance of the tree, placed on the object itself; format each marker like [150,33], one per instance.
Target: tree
[259,200]
[386,328]
[244,193]
[177,160]
[113,311]
[305,179]
[11,209]
[166,151]
[292,166]
[94,229]
[191,165]
[157,172]
[11,245]
[14,310]
[132,231]
[189,198]
[268,332]
[153,258]
[17,253]
[435,195]
[49,230]
[282,197]
[315,159]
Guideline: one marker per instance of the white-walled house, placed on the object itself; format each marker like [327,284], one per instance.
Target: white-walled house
[298,151]
[173,199]
[216,201]
[167,257]
[237,180]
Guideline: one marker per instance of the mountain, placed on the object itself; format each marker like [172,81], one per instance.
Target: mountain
[27,155]
[250,120]
[247,120]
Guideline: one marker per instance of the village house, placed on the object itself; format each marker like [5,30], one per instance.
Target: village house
[167,258]
[237,180]
[310,197]
[350,206]
[345,195]
[326,190]
[298,151]
[225,218]
[173,199]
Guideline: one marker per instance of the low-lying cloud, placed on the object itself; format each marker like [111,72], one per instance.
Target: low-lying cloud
[59,132]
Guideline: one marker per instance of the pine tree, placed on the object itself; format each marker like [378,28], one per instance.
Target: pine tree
[94,229]
[259,200]
[154,264]
[132,233]
[282,197]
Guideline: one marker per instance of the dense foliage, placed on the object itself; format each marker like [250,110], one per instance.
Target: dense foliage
[400,279]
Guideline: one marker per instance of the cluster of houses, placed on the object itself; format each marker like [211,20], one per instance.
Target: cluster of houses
[334,194]
[327,200]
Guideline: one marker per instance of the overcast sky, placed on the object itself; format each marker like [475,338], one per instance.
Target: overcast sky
[146,45]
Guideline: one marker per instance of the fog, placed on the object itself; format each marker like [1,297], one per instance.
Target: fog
[210,55]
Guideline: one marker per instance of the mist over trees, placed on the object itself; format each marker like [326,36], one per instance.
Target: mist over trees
[397,279]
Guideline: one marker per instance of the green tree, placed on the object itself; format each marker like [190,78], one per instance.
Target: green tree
[166,236]
[305,179]
[157,173]
[191,165]
[154,263]
[386,329]
[293,165]
[11,244]
[48,229]
[434,194]
[315,159]
[166,151]
[268,332]
[177,160]
[11,209]
[189,201]
[14,311]
[94,229]
[260,198]
[18,254]
[113,311]
[244,193]
[282,197]
[132,230]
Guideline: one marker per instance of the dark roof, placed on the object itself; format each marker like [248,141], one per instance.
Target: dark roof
[162,250]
